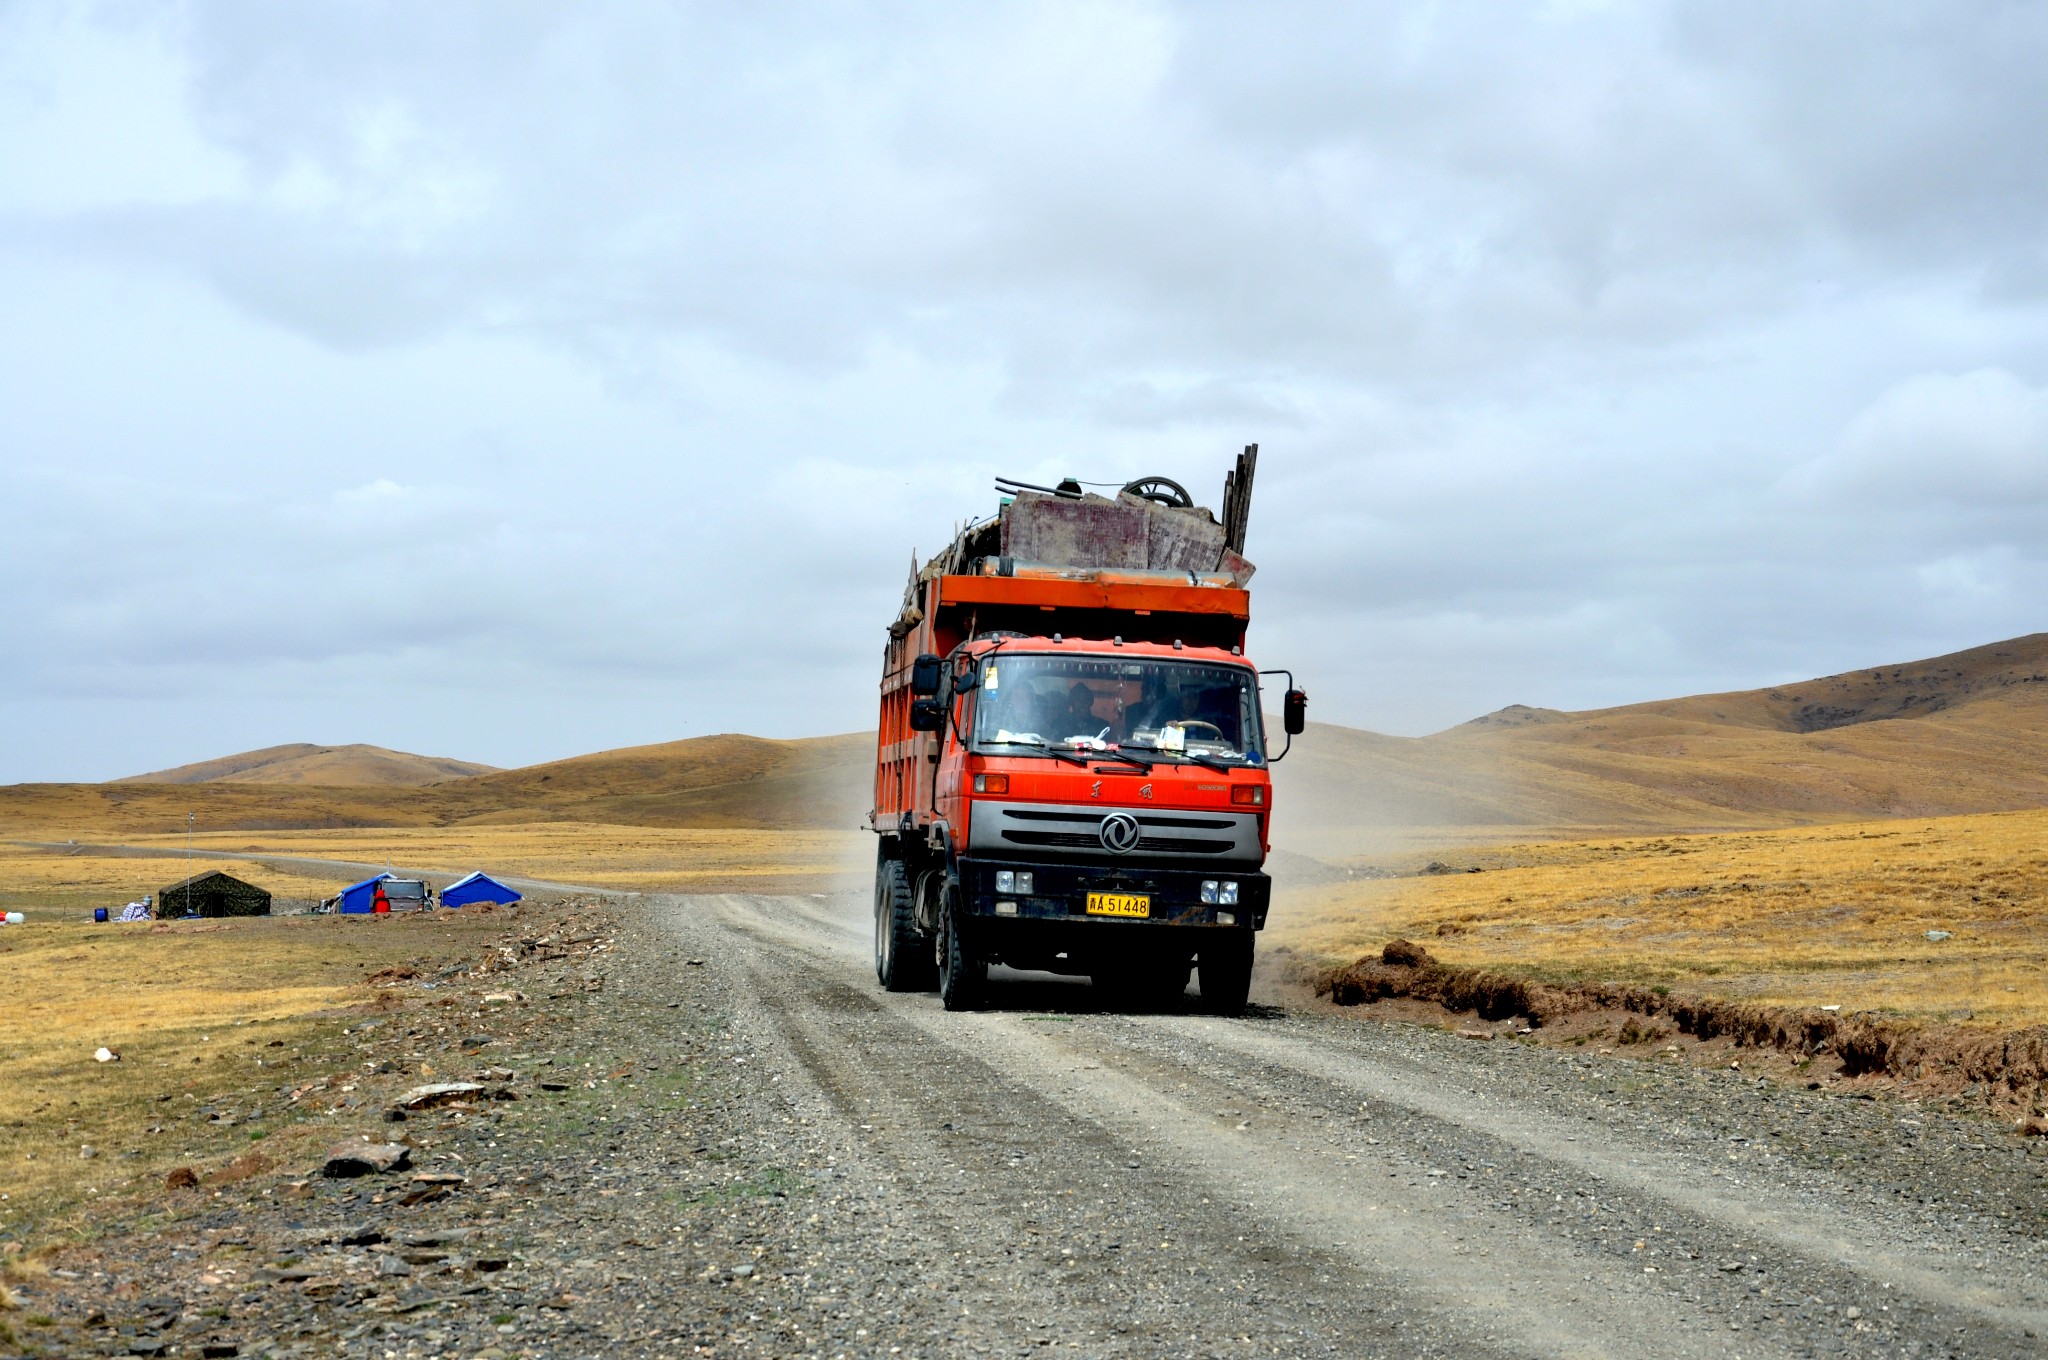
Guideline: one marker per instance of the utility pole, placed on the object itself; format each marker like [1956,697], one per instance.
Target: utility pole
[188,862]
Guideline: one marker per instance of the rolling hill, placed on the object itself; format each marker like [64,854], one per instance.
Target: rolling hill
[305,763]
[1961,733]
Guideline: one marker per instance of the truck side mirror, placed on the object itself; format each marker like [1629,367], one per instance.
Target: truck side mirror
[1294,717]
[968,677]
[924,677]
[927,715]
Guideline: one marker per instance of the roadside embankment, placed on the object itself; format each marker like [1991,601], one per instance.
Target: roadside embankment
[2007,1069]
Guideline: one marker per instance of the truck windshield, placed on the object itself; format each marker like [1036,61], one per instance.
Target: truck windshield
[1162,709]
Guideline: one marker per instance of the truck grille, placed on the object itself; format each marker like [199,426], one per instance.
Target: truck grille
[1015,826]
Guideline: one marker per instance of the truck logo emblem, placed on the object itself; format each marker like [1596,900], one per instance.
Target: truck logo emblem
[1120,832]
[1095,791]
[1145,792]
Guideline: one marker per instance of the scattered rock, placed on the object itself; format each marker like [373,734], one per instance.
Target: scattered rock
[2034,1126]
[1731,1267]
[183,1178]
[392,1266]
[87,1153]
[105,1055]
[366,1159]
[502,998]
[1937,936]
[441,1093]
[1475,1034]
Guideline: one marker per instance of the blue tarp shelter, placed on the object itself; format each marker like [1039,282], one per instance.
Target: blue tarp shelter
[476,888]
[357,898]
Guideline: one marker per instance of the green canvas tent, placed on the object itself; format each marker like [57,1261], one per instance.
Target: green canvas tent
[212,894]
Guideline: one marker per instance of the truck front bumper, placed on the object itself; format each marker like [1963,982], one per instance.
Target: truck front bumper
[1059,896]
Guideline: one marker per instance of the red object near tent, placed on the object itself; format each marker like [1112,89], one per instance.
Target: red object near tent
[380,903]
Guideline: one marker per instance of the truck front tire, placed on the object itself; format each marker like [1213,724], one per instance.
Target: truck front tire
[963,977]
[1225,967]
[903,955]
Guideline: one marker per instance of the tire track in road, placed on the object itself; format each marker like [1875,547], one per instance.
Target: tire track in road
[1823,1236]
[1052,1208]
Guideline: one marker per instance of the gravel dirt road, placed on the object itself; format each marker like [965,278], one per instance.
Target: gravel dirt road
[745,1147]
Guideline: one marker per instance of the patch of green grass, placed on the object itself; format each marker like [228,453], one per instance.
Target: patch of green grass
[772,1182]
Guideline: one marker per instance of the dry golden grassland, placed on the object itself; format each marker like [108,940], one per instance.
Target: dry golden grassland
[210,1018]
[1813,916]
[623,858]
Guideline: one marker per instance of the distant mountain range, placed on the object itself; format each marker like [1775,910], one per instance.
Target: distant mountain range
[1961,733]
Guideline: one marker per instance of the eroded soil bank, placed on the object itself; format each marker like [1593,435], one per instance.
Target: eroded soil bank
[2003,1072]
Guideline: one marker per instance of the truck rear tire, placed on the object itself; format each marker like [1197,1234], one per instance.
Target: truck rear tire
[903,954]
[1225,967]
[963,977]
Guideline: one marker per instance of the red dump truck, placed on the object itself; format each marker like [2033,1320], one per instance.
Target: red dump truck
[1072,770]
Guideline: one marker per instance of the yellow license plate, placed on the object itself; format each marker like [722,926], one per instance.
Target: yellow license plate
[1119,904]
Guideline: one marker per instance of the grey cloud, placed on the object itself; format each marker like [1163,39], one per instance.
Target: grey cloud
[1978,440]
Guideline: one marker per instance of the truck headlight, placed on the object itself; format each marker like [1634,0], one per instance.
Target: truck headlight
[1226,895]
[1013,881]
[1024,881]
[1209,891]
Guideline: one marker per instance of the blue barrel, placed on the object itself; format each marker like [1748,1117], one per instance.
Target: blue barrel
[99,914]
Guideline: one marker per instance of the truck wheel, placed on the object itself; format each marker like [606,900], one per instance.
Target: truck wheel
[962,977]
[1226,971]
[902,954]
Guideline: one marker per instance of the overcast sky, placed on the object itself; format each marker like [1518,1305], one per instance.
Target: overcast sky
[508,381]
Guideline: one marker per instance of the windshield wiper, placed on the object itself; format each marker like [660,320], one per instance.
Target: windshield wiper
[1052,751]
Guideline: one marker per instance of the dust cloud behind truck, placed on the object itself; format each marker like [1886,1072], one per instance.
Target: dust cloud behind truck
[1071,773]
